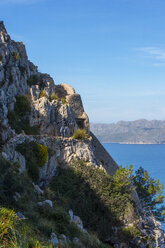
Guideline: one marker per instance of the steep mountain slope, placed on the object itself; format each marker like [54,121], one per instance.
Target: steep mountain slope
[52,167]
[135,132]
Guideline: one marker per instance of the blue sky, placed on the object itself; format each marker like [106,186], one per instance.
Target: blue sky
[111,51]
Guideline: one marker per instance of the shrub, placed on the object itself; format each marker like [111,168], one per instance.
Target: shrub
[43,93]
[53,96]
[32,80]
[21,123]
[22,105]
[12,181]
[8,221]
[63,100]
[80,134]
[9,180]
[15,233]
[18,118]
[15,56]
[128,232]
[36,156]
[42,154]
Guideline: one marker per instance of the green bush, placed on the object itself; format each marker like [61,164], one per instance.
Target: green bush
[80,134]
[43,93]
[42,154]
[36,156]
[12,181]
[18,118]
[15,233]
[32,80]
[63,100]
[22,105]
[9,180]
[53,96]
[15,56]
[128,232]
[8,234]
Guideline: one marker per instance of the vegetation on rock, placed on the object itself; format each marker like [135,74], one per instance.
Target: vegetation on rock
[35,155]
[63,100]
[22,105]
[32,80]
[19,119]
[42,154]
[8,235]
[53,96]
[15,56]
[100,200]
[80,134]
[34,231]
[43,93]
[150,191]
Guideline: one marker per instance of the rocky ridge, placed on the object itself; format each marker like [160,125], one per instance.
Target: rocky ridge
[131,132]
[51,106]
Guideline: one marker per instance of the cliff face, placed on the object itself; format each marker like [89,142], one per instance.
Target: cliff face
[37,116]
[51,107]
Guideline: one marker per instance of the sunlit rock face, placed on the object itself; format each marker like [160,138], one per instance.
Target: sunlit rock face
[51,106]
[50,103]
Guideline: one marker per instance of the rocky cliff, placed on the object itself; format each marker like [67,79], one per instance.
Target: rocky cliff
[50,107]
[38,120]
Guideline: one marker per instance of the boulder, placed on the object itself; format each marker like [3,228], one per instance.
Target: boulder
[46,202]
[20,215]
[68,89]
[54,240]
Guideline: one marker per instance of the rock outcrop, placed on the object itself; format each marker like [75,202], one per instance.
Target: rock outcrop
[50,106]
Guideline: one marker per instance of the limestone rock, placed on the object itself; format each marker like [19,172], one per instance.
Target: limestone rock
[46,202]
[48,170]
[38,189]
[18,157]
[63,237]
[54,240]
[81,117]
[64,151]
[17,196]
[69,89]
[20,215]
[76,219]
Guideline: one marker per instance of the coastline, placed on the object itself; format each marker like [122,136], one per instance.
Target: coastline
[132,143]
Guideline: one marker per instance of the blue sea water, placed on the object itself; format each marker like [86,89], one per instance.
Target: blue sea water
[150,157]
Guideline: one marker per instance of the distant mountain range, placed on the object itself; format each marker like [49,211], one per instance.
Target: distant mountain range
[131,132]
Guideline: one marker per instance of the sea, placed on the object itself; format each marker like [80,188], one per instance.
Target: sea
[150,157]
